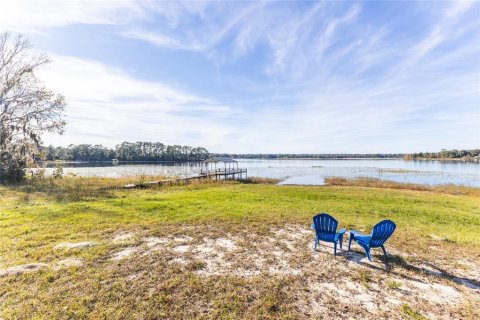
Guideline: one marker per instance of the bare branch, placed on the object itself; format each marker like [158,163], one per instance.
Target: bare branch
[27,108]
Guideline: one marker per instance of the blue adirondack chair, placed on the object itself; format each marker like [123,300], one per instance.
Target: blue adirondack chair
[325,227]
[380,233]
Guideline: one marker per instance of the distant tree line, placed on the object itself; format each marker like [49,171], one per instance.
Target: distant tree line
[311,155]
[126,151]
[446,154]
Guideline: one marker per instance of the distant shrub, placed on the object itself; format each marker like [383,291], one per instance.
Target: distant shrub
[58,172]
[37,176]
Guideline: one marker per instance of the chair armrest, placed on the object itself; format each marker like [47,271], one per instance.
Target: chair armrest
[364,239]
[360,238]
[357,233]
[312,226]
[342,231]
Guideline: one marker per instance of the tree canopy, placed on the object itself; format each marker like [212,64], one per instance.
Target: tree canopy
[446,154]
[27,108]
[127,151]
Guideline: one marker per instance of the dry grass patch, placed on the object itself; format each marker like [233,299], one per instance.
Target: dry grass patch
[272,274]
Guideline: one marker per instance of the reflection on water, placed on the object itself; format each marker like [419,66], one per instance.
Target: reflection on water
[310,172]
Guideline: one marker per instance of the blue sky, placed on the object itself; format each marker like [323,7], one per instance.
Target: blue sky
[266,77]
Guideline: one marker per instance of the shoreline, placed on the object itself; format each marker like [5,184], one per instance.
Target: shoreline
[447,160]
[115,161]
[272,159]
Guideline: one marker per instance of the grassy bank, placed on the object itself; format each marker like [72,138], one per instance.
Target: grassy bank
[36,220]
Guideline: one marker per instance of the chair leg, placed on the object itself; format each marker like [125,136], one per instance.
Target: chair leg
[340,241]
[384,253]
[315,242]
[335,249]
[367,251]
[350,242]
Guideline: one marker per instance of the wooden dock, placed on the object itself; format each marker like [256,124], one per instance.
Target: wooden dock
[218,174]
[226,174]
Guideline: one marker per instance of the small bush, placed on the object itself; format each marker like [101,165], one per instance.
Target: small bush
[364,276]
[37,176]
[412,314]
[58,172]
[394,284]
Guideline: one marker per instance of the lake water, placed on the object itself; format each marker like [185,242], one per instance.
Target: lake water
[304,172]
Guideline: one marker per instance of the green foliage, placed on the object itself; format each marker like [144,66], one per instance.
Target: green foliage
[446,154]
[12,167]
[58,172]
[36,177]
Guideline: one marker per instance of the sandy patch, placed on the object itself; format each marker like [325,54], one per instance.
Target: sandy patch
[125,253]
[349,291]
[74,245]
[180,261]
[228,244]
[66,263]
[185,239]
[135,276]
[181,249]
[16,270]
[212,253]
[437,238]
[155,241]
[293,232]
[346,280]
[123,238]
[433,292]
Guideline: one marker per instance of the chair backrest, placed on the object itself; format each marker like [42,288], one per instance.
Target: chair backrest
[325,226]
[381,232]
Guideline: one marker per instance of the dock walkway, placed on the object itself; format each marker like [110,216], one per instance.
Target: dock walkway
[218,174]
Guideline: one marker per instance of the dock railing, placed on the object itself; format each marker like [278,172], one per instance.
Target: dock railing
[227,173]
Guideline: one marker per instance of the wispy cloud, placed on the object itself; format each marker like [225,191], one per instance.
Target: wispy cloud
[281,76]
[106,105]
[38,16]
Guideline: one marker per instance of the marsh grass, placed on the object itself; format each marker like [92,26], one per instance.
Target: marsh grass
[260,180]
[70,188]
[378,183]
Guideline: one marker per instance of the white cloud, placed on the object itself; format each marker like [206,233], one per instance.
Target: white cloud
[339,79]
[106,105]
[38,16]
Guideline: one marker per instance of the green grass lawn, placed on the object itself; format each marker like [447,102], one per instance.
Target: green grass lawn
[35,219]
[31,220]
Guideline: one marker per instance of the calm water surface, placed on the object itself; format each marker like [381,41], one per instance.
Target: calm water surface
[305,172]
